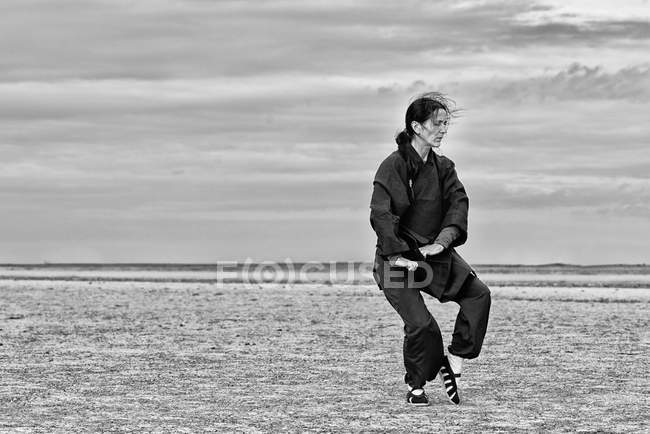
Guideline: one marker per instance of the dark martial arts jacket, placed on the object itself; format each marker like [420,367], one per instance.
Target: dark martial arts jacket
[408,211]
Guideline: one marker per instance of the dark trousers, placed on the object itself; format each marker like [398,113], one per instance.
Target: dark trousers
[423,347]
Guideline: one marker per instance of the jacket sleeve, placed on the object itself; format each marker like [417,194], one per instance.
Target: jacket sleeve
[389,191]
[456,202]
[447,236]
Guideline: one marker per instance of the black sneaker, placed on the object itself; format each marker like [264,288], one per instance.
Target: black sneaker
[418,400]
[449,381]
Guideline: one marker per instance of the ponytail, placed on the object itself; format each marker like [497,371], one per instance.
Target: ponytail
[403,140]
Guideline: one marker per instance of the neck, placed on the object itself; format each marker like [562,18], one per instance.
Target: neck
[423,148]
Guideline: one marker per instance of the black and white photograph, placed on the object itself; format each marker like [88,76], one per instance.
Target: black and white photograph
[415,216]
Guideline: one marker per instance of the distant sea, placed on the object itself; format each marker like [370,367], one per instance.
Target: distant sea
[328,273]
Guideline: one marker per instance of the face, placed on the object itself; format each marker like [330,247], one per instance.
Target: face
[435,128]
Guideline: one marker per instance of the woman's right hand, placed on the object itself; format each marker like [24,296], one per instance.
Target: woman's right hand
[400,261]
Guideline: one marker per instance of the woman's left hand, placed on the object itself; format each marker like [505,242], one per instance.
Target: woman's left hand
[431,249]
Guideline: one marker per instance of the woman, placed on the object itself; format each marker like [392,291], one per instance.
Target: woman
[419,212]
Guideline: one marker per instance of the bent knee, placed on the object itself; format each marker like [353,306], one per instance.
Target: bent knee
[422,325]
[481,289]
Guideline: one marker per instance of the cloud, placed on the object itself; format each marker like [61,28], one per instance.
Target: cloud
[118,118]
[574,82]
[189,39]
[562,33]
[578,82]
[550,192]
[581,11]
[640,209]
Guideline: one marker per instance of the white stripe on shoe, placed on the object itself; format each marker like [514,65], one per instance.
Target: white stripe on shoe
[447,375]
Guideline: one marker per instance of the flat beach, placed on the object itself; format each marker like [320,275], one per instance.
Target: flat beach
[178,356]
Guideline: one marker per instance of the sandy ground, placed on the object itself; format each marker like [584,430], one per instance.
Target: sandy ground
[119,356]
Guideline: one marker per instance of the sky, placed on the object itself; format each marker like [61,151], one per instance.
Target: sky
[203,131]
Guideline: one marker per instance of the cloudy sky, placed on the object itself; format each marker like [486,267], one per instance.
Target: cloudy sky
[196,131]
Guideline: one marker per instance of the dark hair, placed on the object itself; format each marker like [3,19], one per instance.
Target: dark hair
[422,107]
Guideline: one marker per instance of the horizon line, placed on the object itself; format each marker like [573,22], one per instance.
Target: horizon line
[216,263]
